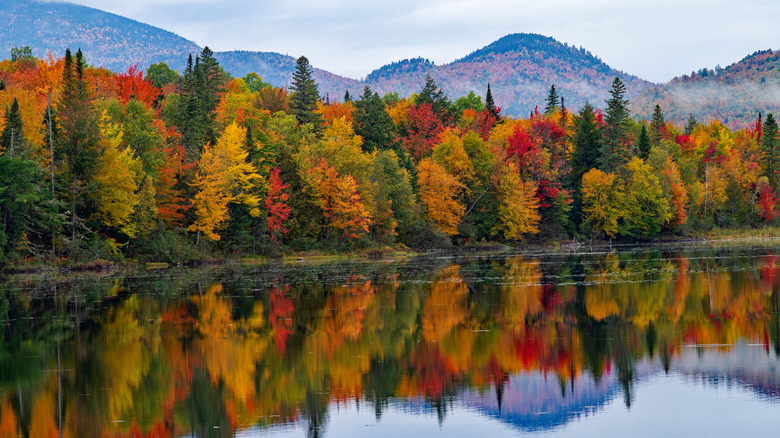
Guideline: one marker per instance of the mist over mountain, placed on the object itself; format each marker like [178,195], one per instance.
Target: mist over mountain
[734,95]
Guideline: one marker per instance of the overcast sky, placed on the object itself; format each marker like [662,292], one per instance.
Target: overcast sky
[653,39]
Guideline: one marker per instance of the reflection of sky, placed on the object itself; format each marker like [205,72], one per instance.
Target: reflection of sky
[707,393]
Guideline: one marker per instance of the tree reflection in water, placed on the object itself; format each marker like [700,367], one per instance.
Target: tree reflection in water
[214,351]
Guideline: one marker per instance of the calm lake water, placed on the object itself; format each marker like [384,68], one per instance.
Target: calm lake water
[674,341]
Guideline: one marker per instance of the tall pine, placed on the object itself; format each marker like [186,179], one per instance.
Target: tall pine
[552,101]
[490,104]
[303,101]
[586,142]
[79,148]
[615,147]
[373,123]
[769,149]
[657,126]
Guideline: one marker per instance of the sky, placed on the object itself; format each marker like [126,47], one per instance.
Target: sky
[653,39]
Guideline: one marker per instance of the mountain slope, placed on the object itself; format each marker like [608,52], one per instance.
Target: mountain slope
[734,95]
[519,68]
[106,39]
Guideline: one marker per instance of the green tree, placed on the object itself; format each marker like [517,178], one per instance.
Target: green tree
[586,142]
[769,149]
[490,104]
[470,101]
[643,144]
[552,101]
[433,95]
[79,151]
[373,123]
[160,74]
[303,102]
[22,54]
[646,209]
[615,148]
[690,125]
[255,82]
[657,127]
[12,139]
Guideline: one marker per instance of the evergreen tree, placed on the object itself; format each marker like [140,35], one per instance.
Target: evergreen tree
[434,96]
[347,97]
[303,102]
[79,150]
[490,104]
[552,101]
[690,125]
[769,149]
[373,123]
[615,147]
[586,142]
[12,139]
[643,144]
[657,125]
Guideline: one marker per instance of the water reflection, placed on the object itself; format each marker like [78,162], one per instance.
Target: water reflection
[535,342]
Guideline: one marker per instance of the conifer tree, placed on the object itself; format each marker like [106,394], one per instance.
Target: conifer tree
[434,96]
[615,148]
[690,125]
[373,123]
[552,101]
[643,144]
[304,99]
[12,140]
[347,97]
[490,104]
[657,125]
[79,145]
[769,149]
[586,142]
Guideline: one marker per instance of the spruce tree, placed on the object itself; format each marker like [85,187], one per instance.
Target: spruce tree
[490,104]
[372,122]
[690,125]
[347,97]
[769,149]
[657,125]
[303,102]
[12,138]
[434,96]
[552,101]
[79,145]
[586,142]
[643,144]
[615,148]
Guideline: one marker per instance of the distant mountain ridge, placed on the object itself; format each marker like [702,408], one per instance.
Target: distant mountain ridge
[734,95]
[519,67]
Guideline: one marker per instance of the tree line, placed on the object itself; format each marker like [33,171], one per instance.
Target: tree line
[176,167]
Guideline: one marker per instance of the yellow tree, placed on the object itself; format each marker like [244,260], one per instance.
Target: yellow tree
[224,176]
[439,195]
[451,155]
[117,181]
[518,209]
[602,201]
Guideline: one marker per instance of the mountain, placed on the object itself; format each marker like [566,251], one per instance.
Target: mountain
[106,39]
[734,95]
[520,68]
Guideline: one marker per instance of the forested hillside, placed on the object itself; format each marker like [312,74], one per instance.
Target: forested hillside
[734,95]
[95,164]
[107,40]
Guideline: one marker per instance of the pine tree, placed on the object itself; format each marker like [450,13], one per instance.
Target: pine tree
[79,144]
[12,139]
[552,101]
[586,142]
[643,144]
[657,126]
[490,104]
[615,151]
[373,123]
[434,96]
[304,101]
[347,97]
[769,149]
[690,125]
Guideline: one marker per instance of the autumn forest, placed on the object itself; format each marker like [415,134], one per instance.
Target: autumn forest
[170,167]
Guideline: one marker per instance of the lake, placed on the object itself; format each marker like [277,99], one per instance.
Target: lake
[666,340]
